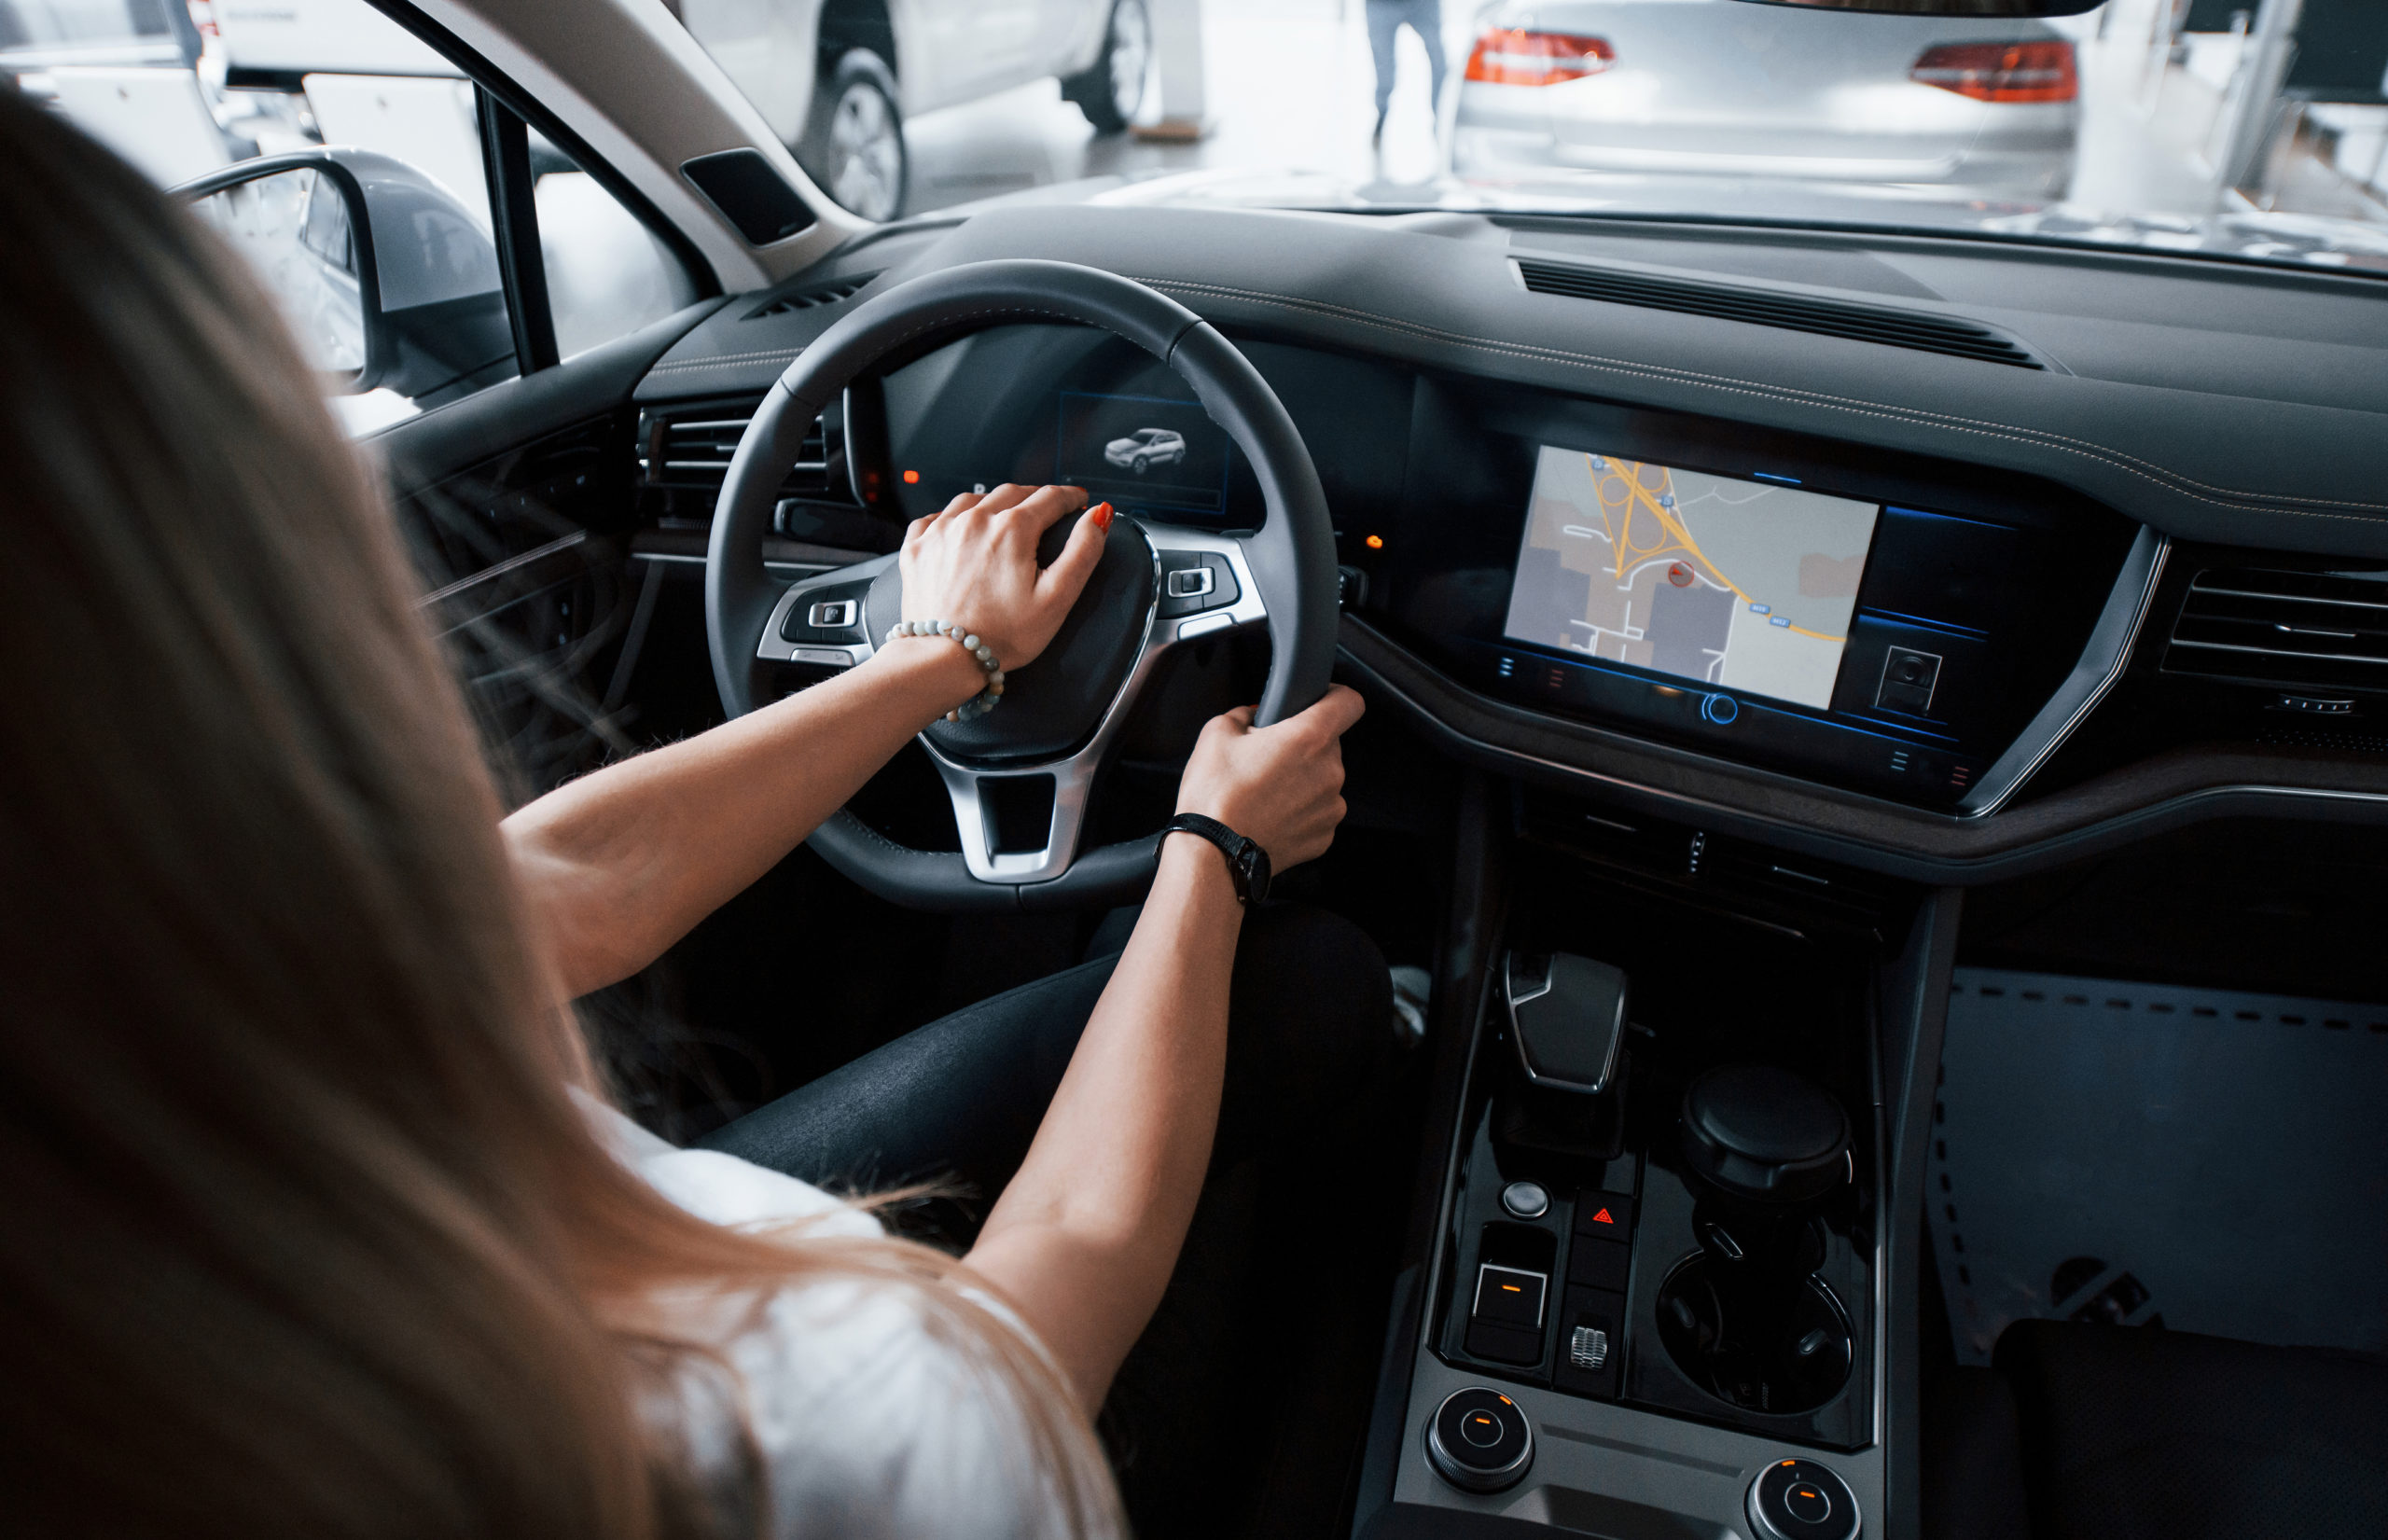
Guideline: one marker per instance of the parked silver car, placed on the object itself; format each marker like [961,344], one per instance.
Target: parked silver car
[1675,87]
[836,79]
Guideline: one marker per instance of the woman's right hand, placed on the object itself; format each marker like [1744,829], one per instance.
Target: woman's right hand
[974,564]
[1281,786]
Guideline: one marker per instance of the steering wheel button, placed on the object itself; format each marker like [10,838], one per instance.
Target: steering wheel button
[1191,582]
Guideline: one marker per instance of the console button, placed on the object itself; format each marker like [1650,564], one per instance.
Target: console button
[1802,1500]
[1480,1440]
[1606,1214]
[1526,1199]
[1592,1343]
[1909,680]
[1511,1295]
[1599,1263]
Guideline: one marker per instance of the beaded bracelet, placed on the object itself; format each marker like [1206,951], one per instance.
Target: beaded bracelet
[981,703]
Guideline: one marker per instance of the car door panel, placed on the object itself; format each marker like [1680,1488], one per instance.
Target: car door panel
[517,505]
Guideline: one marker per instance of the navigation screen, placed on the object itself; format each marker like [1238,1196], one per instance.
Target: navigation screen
[1151,456]
[1729,583]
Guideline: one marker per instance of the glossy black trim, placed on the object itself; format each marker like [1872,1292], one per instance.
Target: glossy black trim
[2166,791]
[514,225]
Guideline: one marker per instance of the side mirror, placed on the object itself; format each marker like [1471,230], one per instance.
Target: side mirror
[1990,9]
[388,280]
[303,223]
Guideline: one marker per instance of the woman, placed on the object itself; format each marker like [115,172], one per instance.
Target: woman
[318,1220]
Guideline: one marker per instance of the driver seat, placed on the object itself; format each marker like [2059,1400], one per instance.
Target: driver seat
[2093,1432]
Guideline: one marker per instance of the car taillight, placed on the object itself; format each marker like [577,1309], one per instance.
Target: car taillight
[1514,56]
[2001,71]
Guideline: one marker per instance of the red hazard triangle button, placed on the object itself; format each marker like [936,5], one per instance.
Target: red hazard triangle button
[1605,1213]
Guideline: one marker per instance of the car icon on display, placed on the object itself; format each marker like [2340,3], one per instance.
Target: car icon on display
[1143,448]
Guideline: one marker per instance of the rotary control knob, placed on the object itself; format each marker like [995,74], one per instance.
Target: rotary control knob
[1480,1440]
[1801,1499]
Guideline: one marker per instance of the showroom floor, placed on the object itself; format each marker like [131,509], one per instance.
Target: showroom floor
[1290,87]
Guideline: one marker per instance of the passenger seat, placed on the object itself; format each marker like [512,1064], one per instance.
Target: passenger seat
[2131,1433]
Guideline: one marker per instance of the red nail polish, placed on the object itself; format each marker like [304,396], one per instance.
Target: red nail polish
[1102,515]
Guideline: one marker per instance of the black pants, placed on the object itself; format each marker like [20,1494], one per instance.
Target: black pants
[1277,1253]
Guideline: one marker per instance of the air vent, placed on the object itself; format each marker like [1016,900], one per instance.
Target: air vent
[2302,630]
[1897,329]
[691,448]
[813,299]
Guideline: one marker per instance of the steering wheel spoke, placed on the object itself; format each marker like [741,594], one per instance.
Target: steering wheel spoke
[1023,824]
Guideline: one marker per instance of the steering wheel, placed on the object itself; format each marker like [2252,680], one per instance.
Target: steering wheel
[1155,586]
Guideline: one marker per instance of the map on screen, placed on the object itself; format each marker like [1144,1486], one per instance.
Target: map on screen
[1729,583]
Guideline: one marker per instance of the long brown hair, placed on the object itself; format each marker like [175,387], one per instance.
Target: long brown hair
[303,1231]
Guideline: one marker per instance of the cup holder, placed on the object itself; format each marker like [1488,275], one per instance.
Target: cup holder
[1749,1341]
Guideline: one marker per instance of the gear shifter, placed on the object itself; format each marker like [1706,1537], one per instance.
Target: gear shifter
[1567,1017]
[1567,1024]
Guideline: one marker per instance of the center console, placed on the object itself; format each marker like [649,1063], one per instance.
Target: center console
[1656,1292]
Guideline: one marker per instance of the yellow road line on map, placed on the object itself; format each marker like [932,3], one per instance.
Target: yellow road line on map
[1681,536]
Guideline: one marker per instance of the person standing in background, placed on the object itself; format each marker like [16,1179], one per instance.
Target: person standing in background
[1385,20]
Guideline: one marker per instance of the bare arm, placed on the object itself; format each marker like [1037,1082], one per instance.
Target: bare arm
[619,865]
[1083,1238]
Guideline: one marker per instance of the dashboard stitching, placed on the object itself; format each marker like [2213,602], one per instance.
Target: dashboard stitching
[2307,507]
[727,358]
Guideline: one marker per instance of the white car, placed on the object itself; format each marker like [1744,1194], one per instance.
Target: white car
[835,78]
[1710,88]
[1143,448]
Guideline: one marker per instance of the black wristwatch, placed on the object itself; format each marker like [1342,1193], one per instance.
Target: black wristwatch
[1247,863]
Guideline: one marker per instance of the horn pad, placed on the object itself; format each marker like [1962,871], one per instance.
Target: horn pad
[1054,704]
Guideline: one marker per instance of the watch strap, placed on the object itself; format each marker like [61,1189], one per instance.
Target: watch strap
[1247,863]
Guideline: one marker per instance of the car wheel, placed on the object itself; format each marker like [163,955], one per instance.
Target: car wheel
[855,147]
[1111,90]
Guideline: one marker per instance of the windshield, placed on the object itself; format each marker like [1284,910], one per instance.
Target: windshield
[2248,129]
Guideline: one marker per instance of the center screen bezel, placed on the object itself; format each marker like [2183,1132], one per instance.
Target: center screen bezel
[1989,581]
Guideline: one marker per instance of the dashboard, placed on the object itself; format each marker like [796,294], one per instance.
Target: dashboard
[1828,586]
[1880,623]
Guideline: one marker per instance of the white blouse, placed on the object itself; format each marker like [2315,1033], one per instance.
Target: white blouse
[866,1423]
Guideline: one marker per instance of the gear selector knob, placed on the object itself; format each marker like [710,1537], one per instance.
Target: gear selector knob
[1765,1135]
[1567,1017]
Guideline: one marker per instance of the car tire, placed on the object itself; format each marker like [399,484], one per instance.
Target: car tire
[1111,90]
[854,146]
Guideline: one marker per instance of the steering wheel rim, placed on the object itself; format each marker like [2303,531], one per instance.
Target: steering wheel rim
[1287,568]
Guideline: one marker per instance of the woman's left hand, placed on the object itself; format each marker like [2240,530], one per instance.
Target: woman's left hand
[974,564]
